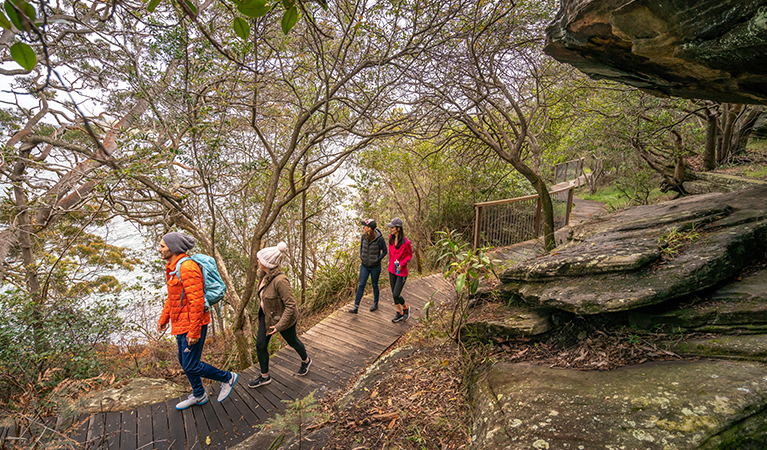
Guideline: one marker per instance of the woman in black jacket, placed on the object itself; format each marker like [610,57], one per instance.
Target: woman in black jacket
[372,252]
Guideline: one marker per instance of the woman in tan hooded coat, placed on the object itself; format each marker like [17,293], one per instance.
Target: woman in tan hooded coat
[277,312]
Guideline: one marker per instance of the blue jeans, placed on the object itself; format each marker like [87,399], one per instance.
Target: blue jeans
[374,274]
[189,357]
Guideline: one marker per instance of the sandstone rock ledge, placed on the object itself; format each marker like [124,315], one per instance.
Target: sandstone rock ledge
[670,406]
[617,263]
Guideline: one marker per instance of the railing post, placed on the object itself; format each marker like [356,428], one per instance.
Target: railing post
[477,223]
[569,205]
[538,211]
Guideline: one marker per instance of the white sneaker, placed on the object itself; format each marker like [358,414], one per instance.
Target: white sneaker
[192,400]
[226,387]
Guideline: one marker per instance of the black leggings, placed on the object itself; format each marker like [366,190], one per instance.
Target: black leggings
[397,283]
[262,342]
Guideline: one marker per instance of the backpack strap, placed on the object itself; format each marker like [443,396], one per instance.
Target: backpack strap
[177,272]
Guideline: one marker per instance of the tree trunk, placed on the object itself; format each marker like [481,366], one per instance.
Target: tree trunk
[241,326]
[729,117]
[303,237]
[26,231]
[543,193]
[709,154]
[744,129]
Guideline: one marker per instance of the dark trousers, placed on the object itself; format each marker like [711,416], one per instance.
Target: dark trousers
[262,342]
[397,283]
[365,272]
[189,357]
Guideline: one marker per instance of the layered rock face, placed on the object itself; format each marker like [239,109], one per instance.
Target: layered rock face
[627,260]
[710,49]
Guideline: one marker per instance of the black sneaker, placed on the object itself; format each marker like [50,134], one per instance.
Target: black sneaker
[354,310]
[406,313]
[260,381]
[304,369]
[374,307]
[397,317]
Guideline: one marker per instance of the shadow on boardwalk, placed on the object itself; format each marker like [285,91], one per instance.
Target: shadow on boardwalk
[341,346]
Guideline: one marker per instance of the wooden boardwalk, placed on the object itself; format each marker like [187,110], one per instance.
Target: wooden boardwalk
[341,347]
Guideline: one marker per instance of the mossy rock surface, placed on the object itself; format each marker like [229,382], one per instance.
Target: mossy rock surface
[673,405]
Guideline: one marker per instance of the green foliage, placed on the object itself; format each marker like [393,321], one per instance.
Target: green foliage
[334,282]
[23,54]
[299,412]
[22,15]
[469,267]
[289,19]
[73,329]
[241,28]
[674,240]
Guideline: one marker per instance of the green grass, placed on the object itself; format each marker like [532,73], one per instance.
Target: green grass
[759,173]
[615,199]
[757,145]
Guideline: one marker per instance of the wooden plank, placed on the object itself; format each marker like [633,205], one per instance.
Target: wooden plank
[240,416]
[160,434]
[293,382]
[144,426]
[129,435]
[281,377]
[337,365]
[263,396]
[318,365]
[15,432]
[225,431]
[48,430]
[112,430]
[214,438]
[203,432]
[357,331]
[176,427]
[372,329]
[288,362]
[334,361]
[318,374]
[95,431]
[80,429]
[338,339]
[374,349]
[190,427]
[242,397]
[275,395]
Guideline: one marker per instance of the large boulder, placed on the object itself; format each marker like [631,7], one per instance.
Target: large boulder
[678,405]
[711,49]
[137,392]
[624,260]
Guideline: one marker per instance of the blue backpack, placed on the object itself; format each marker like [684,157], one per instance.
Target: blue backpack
[213,286]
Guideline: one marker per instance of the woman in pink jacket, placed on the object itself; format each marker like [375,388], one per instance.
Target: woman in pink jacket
[400,252]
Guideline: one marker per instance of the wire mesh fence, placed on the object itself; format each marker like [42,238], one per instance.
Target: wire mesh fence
[505,222]
[568,170]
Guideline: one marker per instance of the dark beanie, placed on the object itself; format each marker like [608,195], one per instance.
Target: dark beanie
[178,243]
